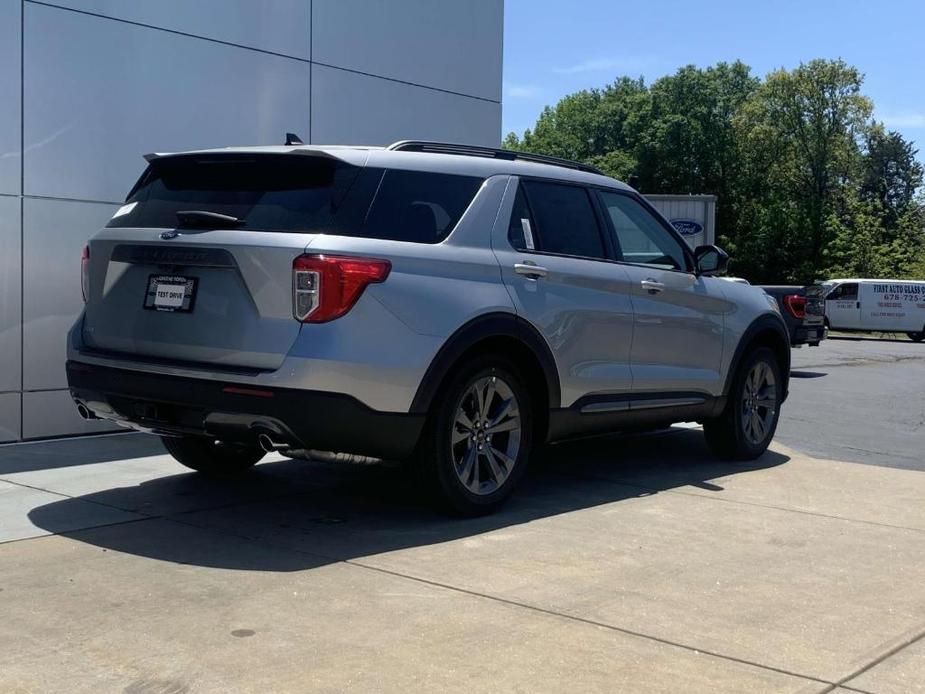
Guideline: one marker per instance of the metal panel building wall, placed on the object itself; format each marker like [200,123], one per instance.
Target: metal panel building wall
[692,215]
[88,86]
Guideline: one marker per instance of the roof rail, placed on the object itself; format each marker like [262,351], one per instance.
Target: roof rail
[488,153]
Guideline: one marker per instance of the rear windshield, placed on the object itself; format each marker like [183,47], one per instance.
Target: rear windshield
[300,194]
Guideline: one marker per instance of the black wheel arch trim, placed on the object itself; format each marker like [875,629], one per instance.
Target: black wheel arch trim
[761,324]
[489,325]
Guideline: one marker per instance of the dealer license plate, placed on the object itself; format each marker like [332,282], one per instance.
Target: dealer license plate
[171,293]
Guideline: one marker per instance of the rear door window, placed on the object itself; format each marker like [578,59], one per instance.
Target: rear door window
[565,220]
[419,206]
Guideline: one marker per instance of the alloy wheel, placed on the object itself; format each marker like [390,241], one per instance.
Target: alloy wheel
[759,403]
[486,435]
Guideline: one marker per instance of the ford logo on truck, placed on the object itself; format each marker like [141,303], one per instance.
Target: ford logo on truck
[687,227]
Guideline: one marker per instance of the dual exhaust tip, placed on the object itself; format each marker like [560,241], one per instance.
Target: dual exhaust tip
[265,441]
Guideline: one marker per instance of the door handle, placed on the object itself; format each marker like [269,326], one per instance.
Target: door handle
[530,270]
[651,286]
[858,305]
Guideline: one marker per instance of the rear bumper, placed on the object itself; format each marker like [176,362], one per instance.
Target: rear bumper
[177,405]
[804,334]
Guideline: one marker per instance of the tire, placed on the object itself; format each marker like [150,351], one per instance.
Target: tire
[211,457]
[465,467]
[916,337]
[735,434]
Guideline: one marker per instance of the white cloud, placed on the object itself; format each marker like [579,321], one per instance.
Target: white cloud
[904,120]
[604,64]
[521,91]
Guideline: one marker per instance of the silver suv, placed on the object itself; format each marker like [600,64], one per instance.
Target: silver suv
[451,305]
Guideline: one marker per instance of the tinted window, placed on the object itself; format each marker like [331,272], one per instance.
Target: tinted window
[267,192]
[418,206]
[296,193]
[640,236]
[844,292]
[520,229]
[565,220]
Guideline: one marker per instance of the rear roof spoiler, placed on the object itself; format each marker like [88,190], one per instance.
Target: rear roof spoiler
[151,157]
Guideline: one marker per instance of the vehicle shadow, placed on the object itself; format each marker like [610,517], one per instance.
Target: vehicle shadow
[808,374]
[352,511]
[878,337]
[86,450]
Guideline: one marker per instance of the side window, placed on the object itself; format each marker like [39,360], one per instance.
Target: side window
[564,219]
[520,229]
[419,206]
[641,237]
[845,292]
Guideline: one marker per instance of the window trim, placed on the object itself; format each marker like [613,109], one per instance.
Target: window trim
[685,249]
[606,240]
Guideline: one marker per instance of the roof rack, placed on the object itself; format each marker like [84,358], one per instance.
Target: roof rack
[488,153]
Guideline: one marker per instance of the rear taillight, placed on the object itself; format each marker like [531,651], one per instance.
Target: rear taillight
[795,305]
[325,287]
[85,272]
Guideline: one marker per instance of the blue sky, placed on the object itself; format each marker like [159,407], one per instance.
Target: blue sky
[555,47]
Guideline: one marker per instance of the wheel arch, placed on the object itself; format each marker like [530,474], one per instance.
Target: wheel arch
[504,333]
[765,331]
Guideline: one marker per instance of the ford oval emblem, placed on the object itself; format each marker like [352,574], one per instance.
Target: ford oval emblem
[687,227]
[169,234]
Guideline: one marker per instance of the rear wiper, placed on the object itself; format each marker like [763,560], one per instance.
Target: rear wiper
[209,220]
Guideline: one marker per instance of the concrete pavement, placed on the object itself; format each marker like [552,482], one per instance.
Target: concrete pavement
[626,564]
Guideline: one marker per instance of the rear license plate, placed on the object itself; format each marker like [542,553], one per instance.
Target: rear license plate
[171,293]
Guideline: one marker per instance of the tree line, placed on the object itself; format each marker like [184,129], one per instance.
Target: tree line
[809,185]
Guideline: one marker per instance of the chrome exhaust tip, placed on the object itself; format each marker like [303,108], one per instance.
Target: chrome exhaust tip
[269,445]
[84,412]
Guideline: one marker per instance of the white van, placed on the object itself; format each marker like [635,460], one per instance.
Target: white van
[891,306]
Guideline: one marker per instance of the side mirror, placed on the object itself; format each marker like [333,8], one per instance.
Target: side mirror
[710,260]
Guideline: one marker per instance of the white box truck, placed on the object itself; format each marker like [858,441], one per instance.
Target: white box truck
[890,306]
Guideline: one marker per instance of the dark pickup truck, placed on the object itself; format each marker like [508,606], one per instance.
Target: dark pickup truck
[803,309]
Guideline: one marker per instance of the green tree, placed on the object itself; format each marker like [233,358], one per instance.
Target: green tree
[685,136]
[686,139]
[801,132]
[807,184]
[586,124]
[890,173]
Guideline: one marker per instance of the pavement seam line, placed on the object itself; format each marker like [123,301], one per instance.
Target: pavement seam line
[513,603]
[83,498]
[65,439]
[585,620]
[595,478]
[68,533]
[889,653]
[498,599]
[36,489]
